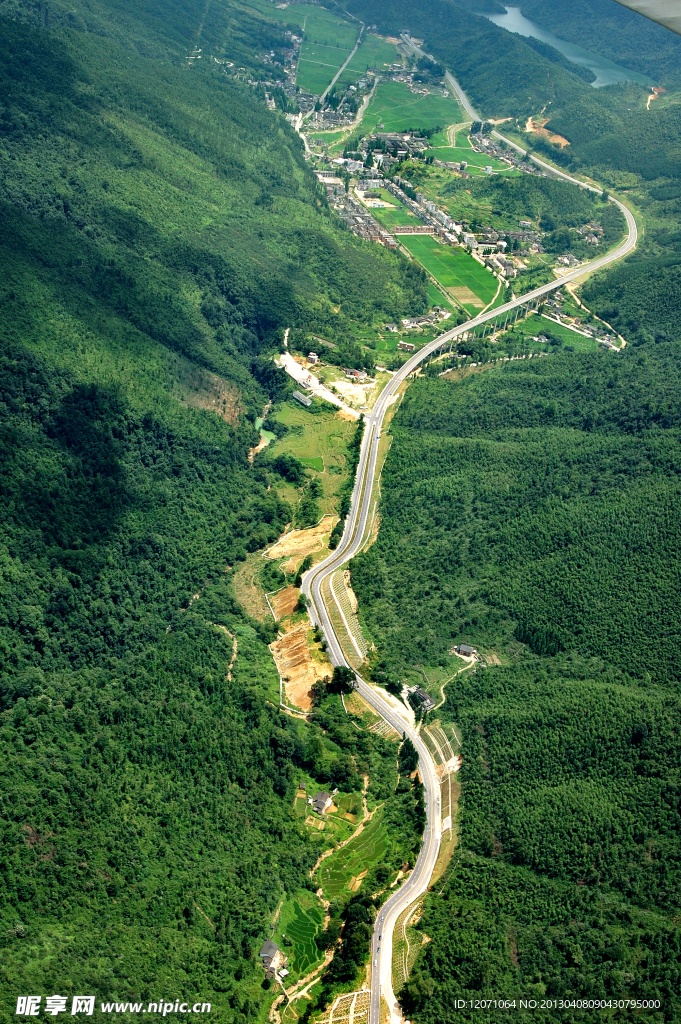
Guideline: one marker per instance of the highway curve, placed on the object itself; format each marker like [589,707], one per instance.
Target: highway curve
[353,537]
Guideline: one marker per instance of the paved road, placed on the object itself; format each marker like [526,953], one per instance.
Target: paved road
[353,537]
[308,381]
[343,66]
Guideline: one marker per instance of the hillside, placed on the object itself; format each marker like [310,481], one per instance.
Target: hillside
[608,28]
[159,231]
[532,511]
[501,73]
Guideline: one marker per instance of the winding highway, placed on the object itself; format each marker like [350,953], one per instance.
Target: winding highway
[354,535]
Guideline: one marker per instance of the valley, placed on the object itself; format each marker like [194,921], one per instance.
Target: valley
[340,498]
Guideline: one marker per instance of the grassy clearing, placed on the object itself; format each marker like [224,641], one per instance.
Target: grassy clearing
[319,25]
[537,324]
[440,138]
[328,137]
[373,53]
[397,109]
[473,159]
[301,918]
[400,216]
[340,871]
[462,276]
[315,463]
[319,441]
[437,298]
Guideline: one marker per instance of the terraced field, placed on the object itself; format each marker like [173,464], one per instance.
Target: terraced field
[342,870]
[462,277]
[300,920]
[317,441]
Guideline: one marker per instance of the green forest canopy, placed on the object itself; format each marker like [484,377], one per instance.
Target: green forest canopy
[533,512]
[159,230]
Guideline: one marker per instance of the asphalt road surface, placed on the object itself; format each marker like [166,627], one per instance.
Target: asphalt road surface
[353,537]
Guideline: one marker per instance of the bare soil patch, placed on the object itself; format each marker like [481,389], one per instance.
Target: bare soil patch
[299,543]
[537,127]
[466,297]
[284,602]
[297,668]
[205,390]
[343,415]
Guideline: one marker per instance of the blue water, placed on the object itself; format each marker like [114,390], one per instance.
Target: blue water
[606,72]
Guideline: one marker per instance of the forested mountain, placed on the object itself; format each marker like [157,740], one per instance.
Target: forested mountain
[502,74]
[158,231]
[608,28]
[533,511]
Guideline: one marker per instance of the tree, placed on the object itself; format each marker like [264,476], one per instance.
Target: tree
[304,566]
[343,680]
[409,757]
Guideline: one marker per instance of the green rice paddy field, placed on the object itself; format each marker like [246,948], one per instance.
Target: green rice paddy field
[400,216]
[318,65]
[373,53]
[338,871]
[300,920]
[319,25]
[462,277]
[314,463]
[397,109]
[327,41]
[436,298]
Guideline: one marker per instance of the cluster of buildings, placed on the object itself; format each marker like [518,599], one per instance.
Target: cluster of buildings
[327,119]
[591,232]
[501,264]
[428,320]
[554,309]
[398,74]
[359,220]
[529,235]
[483,143]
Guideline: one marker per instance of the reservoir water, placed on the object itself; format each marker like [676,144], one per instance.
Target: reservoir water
[606,72]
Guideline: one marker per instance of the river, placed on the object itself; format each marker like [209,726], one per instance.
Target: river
[606,72]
